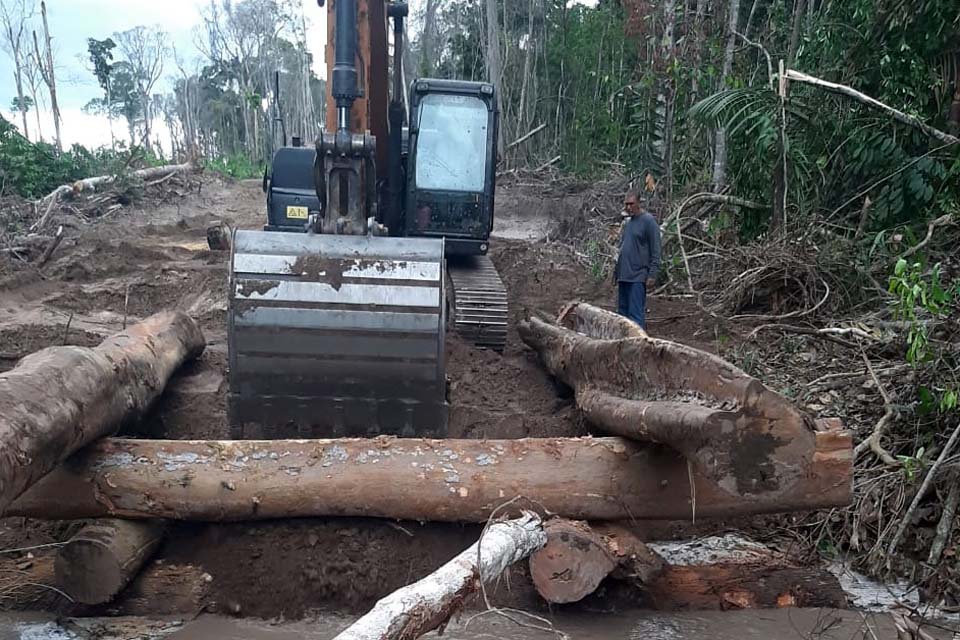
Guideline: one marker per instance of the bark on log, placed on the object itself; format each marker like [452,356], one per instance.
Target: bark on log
[748,440]
[405,478]
[428,604]
[57,400]
[730,572]
[104,556]
[577,558]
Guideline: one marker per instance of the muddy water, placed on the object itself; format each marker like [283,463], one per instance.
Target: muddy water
[641,625]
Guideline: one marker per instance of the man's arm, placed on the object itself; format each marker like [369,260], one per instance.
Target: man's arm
[653,238]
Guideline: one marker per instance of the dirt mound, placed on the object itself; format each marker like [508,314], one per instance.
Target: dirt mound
[543,276]
[93,259]
[20,341]
[506,395]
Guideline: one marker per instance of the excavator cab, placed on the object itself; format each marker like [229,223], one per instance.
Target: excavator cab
[450,185]
[451,167]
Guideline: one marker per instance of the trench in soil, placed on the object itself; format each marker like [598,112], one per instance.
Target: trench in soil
[122,269]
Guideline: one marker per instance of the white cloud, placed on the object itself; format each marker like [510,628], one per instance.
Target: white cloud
[89,130]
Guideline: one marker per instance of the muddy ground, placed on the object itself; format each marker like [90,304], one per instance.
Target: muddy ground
[128,266]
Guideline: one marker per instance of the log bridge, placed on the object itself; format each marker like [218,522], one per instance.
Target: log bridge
[680,434]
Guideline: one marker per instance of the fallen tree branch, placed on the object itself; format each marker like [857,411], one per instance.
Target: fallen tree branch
[54,243]
[527,136]
[872,441]
[549,162]
[57,400]
[732,572]
[933,224]
[92,184]
[793,314]
[428,604]
[945,524]
[827,333]
[921,492]
[707,196]
[850,92]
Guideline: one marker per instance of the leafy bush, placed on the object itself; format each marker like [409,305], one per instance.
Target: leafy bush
[34,169]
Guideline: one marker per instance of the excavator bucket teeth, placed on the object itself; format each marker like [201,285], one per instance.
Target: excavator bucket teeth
[336,335]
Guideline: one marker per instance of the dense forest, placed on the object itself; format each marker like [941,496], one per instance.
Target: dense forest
[689,92]
[808,148]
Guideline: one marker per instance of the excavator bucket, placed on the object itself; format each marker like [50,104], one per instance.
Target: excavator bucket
[336,335]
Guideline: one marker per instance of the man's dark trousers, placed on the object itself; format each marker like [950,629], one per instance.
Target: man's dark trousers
[632,301]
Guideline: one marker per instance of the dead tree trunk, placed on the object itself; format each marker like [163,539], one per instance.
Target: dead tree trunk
[577,558]
[423,606]
[720,145]
[406,478]
[45,63]
[104,556]
[57,400]
[748,440]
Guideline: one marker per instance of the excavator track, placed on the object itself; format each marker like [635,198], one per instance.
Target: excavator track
[478,306]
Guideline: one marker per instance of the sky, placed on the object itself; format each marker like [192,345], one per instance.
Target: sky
[73,21]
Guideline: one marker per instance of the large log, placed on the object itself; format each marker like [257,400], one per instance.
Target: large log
[750,441]
[104,556]
[425,605]
[59,399]
[405,478]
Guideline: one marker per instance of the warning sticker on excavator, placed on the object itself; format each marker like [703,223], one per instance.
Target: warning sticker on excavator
[299,213]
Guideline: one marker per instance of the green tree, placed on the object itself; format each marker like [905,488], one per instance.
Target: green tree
[18,106]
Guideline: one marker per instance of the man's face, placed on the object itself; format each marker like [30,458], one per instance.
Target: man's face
[630,205]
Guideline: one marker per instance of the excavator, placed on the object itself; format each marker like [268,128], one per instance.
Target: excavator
[338,308]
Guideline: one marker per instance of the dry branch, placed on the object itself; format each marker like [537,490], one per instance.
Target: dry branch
[527,136]
[429,603]
[57,400]
[706,196]
[748,440]
[404,478]
[850,92]
[931,226]
[54,243]
[921,492]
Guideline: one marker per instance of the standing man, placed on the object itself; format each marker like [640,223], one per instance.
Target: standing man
[639,260]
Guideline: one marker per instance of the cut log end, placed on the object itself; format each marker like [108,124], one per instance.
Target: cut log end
[576,559]
[571,565]
[103,557]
